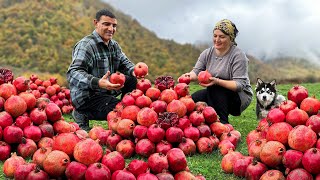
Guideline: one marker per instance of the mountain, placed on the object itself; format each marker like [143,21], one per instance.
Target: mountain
[37,36]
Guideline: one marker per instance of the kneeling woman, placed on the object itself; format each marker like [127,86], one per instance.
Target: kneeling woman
[229,90]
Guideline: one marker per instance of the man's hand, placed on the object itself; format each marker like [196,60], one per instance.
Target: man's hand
[106,84]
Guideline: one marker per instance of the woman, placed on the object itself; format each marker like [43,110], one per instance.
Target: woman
[229,90]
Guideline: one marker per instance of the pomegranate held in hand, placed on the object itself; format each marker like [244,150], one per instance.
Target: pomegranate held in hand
[117,78]
[140,69]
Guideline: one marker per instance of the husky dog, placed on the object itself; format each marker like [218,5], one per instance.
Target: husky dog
[267,97]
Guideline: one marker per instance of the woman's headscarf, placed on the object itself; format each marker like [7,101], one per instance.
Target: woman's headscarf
[227,27]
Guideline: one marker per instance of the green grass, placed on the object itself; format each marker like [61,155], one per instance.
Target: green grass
[209,164]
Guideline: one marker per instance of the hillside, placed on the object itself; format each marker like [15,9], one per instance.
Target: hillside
[38,36]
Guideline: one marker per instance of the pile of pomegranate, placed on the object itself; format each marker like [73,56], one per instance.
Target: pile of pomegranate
[161,126]
[285,144]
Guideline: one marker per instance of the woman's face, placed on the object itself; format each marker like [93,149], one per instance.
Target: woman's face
[221,41]
[106,27]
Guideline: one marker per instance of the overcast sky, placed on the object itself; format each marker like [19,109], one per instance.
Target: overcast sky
[266,28]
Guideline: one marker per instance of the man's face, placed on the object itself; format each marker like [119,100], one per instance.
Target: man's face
[106,27]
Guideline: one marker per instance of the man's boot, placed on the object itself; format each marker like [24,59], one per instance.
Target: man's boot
[81,119]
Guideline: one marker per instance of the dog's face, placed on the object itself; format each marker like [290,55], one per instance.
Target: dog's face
[265,92]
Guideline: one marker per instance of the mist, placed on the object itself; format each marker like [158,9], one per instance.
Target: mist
[267,29]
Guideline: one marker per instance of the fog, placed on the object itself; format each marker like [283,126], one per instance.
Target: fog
[267,29]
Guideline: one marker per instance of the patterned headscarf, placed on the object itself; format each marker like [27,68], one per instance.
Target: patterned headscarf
[227,27]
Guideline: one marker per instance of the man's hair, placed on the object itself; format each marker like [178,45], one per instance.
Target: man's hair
[104,12]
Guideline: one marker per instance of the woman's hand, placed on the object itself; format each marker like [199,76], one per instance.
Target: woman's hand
[106,84]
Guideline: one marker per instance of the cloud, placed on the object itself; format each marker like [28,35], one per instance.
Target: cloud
[266,28]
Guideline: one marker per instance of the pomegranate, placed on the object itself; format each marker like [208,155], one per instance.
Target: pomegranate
[272,153]
[174,135]
[6,75]
[55,163]
[178,107]
[192,133]
[314,123]
[254,135]
[123,174]
[158,106]
[45,142]
[204,130]
[97,171]
[231,137]
[153,93]
[299,173]
[26,148]
[209,114]
[188,146]
[167,120]
[272,174]
[158,163]
[184,175]
[137,167]
[5,119]
[5,150]
[15,106]
[240,166]
[147,176]
[29,98]
[188,102]
[287,105]
[196,118]
[155,133]
[7,90]
[254,148]
[302,138]
[297,117]
[279,132]
[87,151]
[292,160]
[112,140]
[143,84]
[204,77]
[204,145]
[164,82]
[126,148]
[184,79]
[182,89]
[21,83]
[229,160]
[114,161]
[311,105]
[140,70]
[46,129]
[219,128]
[23,170]
[53,112]
[37,174]
[32,132]
[145,147]
[224,146]
[255,170]
[117,78]
[38,116]
[12,134]
[40,155]
[163,147]
[147,116]
[136,93]
[165,176]
[168,95]
[23,121]
[11,164]
[125,128]
[297,93]
[95,131]
[275,115]
[65,142]
[140,132]
[311,159]
[76,170]
[143,101]
[177,160]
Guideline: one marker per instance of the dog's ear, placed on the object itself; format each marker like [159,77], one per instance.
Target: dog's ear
[273,83]
[259,81]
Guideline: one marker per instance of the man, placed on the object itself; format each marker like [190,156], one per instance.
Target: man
[94,59]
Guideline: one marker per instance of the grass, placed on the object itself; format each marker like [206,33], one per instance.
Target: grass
[209,164]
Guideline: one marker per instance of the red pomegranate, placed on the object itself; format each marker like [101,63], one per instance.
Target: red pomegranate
[209,114]
[299,173]
[302,138]
[165,176]
[297,93]
[155,133]
[40,155]
[12,134]
[174,135]
[87,151]
[46,129]
[38,174]
[314,123]
[123,174]
[114,161]
[188,102]
[204,130]
[219,128]
[147,116]
[140,132]
[117,78]
[26,148]
[225,146]
[188,146]
[255,147]
[23,170]
[311,159]
[65,142]
[140,70]
[145,147]
[184,175]
[240,166]
[177,160]
[5,119]
[287,105]
[136,93]
[158,106]
[229,160]
[143,84]
[112,140]
[153,93]
[32,132]
[143,101]
[29,98]
[231,137]
[7,90]
[204,145]
[137,167]
[127,100]
[254,135]
[272,153]
[182,89]
[297,117]
[192,133]
[184,79]
[45,142]
[158,163]
[11,164]
[291,160]
[255,170]
[23,121]
[15,106]
[38,116]
[196,118]
[168,95]
[126,148]
[53,112]
[125,128]
[163,147]
[76,170]
[311,105]
[97,171]
[56,163]
[204,77]
[272,174]
[279,132]
[178,107]
[5,150]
